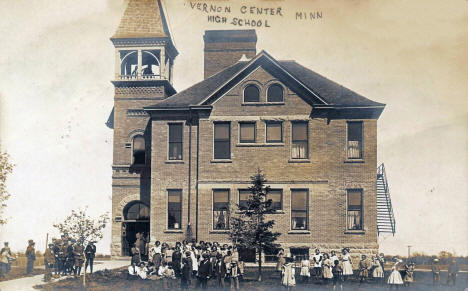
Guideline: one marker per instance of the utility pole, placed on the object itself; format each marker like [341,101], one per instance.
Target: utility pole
[409,253]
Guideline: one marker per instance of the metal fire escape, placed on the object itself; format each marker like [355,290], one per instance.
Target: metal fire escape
[385,217]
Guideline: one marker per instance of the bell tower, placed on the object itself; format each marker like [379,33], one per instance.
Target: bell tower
[144,59]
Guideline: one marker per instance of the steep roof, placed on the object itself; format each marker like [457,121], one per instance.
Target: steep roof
[143,19]
[329,92]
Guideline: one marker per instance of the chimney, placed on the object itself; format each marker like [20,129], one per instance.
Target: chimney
[224,48]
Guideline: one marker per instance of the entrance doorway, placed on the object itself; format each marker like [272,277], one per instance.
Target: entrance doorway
[137,220]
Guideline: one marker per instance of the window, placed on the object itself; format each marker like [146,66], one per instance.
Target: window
[243,197]
[251,94]
[150,63]
[174,209]
[221,209]
[222,140]
[128,63]
[355,140]
[175,141]
[247,132]
[299,253]
[275,93]
[136,211]
[300,140]
[139,150]
[271,254]
[354,215]
[299,210]
[274,131]
[276,196]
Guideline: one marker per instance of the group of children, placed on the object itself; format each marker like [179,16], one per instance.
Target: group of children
[339,269]
[187,261]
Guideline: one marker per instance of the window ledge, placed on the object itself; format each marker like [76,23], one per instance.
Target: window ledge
[260,144]
[173,231]
[299,231]
[174,162]
[352,161]
[221,231]
[299,161]
[355,232]
[262,103]
[221,161]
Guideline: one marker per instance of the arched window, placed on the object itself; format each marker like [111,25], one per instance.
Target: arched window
[150,63]
[139,157]
[136,211]
[128,63]
[275,93]
[251,94]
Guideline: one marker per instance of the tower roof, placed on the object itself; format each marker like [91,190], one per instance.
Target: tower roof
[143,19]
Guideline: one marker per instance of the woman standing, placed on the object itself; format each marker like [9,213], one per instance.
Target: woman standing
[281,260]
[347,264]
[327,268]
[394,280]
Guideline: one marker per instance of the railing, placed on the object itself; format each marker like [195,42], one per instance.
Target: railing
[381,173]
[140,77]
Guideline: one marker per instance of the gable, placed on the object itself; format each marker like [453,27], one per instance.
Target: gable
[273,68]
[232,103]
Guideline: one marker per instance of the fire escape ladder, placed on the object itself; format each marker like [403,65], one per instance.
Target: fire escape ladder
[385,217]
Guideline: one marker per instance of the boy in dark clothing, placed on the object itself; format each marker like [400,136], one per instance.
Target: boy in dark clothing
[204,271]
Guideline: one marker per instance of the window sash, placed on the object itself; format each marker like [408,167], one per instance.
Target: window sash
[299,209]
[300,140]
[247,132]
[222,141]
[272,131]
[354,139]
[275,96]
[251,93]
[276,196]
[174,209]
[175,150]
[220,209]
[243,197]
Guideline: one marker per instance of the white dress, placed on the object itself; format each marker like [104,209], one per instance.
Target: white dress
[305,268]
[395,277]
[347,267]
[289,278]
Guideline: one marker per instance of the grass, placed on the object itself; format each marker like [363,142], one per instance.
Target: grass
[20,272]
[120,280]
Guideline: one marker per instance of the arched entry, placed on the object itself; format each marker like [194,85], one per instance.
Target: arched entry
[136,220]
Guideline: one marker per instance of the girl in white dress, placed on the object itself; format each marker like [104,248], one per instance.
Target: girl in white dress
[377,273]
[305,269]
[394,280]
[327,265]
[347,264]
[289,274]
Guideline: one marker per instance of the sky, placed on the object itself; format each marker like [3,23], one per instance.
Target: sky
[56,64]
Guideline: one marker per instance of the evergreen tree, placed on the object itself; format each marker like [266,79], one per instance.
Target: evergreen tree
[249,227]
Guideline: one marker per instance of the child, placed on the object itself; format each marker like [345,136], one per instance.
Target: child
[305,269]
[327,268]
[409,271]
[289,272]
[363,269]
[142,271]
[394,280]
[169,277]
[337,271]
[317,258]
[186,272]
[377,273]
[347,264]
[436,272]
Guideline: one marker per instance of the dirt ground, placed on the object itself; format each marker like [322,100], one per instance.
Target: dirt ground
[120,280]
[20,272]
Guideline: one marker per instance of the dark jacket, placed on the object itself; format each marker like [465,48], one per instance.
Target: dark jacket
[204,269]
[90,251]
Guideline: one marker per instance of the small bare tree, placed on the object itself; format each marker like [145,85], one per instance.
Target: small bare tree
[5,168]
[82,228]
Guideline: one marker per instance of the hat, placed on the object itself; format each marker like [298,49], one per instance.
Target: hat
[436,260]
[30,241]
[5,243]
[51,244]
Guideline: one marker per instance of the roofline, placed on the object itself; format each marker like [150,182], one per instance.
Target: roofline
[191,107]
[350,107]
[258,56]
